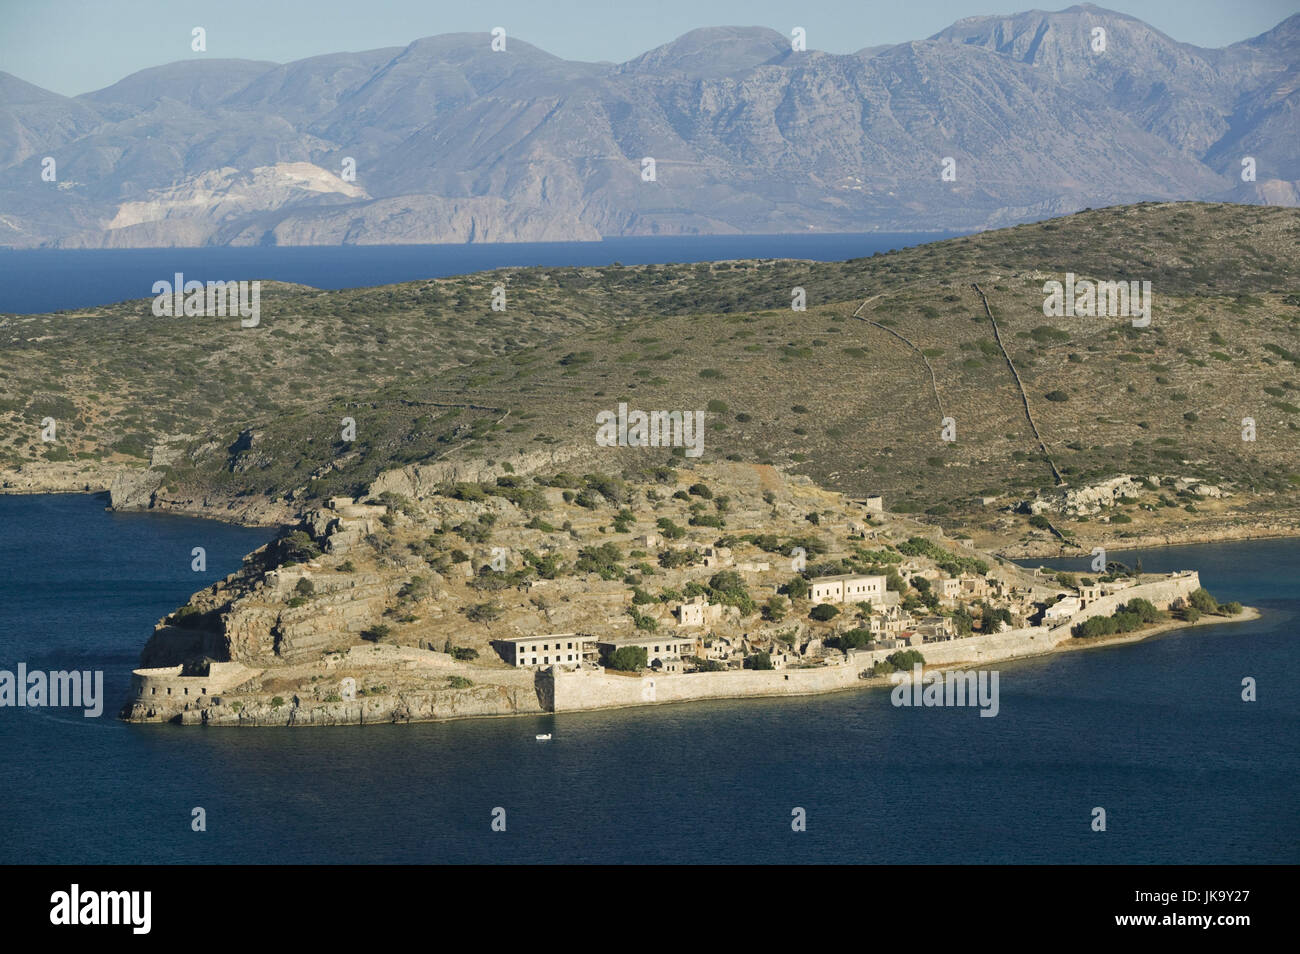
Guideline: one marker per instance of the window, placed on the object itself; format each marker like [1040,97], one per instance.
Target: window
[570,646]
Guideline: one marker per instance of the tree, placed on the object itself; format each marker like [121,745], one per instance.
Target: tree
[1145,609]
[762,660]
[797,588]
[626,658]
[854,638]
[483,612]
[774,608]
[905,659]
[823,612]
[1203,601]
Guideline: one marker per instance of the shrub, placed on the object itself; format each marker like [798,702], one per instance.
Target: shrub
[483,612]
[1203,601]
[774,609]
[377,632]
[904,659]
[762,660]
[853,639]
[626,658]
[823,612]
[459,682]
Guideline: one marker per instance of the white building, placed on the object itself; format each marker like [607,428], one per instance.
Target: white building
[663,653]
[566,649]
[1062,610]
[847,588]
[697,611]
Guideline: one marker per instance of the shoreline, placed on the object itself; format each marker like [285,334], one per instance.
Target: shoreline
[393,716]
[1075,644]
[1154,541]
[12,483]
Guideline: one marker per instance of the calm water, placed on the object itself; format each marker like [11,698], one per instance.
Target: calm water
[1154,732]
[41,280]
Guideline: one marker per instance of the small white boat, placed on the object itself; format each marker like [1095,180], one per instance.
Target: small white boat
[544,738]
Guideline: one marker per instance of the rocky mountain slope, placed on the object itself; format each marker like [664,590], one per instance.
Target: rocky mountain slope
[453,142]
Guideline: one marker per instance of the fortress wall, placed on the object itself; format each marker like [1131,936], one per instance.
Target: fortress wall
[167,687]
[564,690]
[589,689]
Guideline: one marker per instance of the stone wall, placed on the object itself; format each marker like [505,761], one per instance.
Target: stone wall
[567,691]
[562,690]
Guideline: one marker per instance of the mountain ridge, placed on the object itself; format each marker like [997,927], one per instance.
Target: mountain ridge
[747,135]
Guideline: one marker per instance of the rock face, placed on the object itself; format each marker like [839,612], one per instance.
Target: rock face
[1090,500]
[417,480]
[1086,501]
[748,135]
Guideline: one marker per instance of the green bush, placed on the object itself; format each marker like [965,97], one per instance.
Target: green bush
[626,658]
[823,612]
[904,659]
[1203,601]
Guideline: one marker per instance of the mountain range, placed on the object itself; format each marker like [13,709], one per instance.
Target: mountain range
[453,141]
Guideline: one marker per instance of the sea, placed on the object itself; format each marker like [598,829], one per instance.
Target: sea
[1156,733]
[34,281]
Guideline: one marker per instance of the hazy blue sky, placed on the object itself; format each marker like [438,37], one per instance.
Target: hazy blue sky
[74,46]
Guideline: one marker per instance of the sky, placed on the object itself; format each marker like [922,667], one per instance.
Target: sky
[76,46]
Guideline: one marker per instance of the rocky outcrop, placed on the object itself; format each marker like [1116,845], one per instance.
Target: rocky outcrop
[60,477]
[419,480]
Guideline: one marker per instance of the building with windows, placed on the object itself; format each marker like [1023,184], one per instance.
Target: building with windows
[847,588]
[555,649]
[663,653]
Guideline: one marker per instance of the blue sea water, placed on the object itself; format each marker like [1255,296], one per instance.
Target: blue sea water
[1155,732]
[40,280]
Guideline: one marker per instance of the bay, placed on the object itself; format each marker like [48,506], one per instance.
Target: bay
[1155,732]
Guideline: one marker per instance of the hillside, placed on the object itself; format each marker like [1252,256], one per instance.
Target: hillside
[452,141]
[199,415]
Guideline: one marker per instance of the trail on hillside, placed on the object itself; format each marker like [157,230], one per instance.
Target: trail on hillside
[934,382]
[1024,398]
